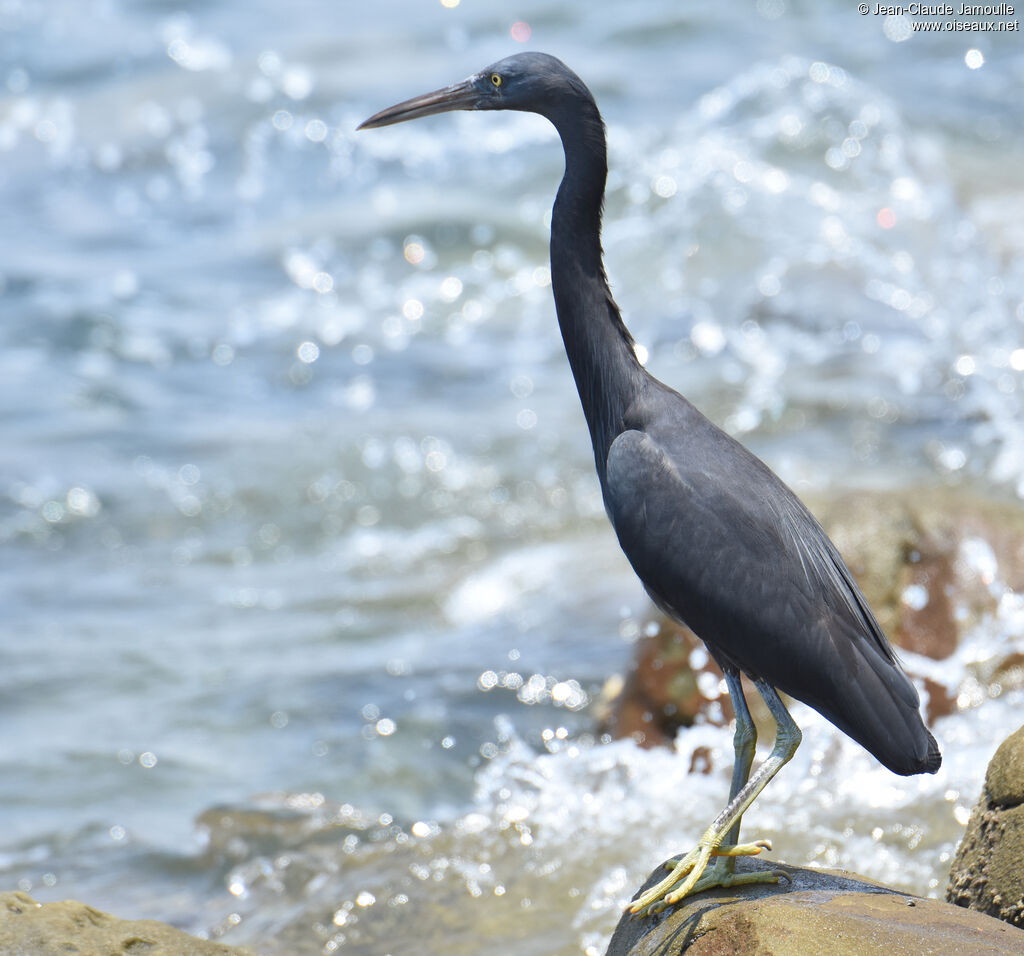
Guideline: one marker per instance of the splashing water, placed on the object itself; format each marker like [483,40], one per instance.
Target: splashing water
[298,518]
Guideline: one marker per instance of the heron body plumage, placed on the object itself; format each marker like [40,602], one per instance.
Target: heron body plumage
[742,562]
[718,540]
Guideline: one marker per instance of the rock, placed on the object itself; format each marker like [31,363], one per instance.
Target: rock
[662,693]
[821,911]
[68,927]
[988,871]
[931,562]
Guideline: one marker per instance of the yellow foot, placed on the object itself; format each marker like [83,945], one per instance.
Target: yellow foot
[692,870]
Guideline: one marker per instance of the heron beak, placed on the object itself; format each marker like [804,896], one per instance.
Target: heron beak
[459,96]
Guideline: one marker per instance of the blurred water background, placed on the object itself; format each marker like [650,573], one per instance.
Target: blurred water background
[307,590]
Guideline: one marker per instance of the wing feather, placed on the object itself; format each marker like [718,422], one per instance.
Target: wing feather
[733,553]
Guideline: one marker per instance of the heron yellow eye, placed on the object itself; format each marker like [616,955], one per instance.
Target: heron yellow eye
[496,79]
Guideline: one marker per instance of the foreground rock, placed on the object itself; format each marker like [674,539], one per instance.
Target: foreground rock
[988,872]
[60,929]
[821,911]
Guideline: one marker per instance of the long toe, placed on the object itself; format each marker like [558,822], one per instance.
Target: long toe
[691,874]
[743,849]
[731,850]
[642,905]
[718,876]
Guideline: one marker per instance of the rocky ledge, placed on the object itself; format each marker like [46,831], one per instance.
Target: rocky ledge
[988,872]
[820,911]
[68,927]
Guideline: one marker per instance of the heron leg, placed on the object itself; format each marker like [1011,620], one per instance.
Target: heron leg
[744,744]
[722,871]
[715,841]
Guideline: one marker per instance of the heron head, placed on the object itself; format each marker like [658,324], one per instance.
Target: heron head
[530,82]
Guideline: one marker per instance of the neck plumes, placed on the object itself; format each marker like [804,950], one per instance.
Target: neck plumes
[598,344]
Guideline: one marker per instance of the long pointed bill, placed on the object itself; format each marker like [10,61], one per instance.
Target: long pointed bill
[459,96]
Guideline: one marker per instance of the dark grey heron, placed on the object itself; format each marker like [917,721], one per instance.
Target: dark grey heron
[718,540]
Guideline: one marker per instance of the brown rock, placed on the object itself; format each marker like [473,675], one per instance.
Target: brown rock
[941,700]
[930,561]
[68,927]
[820,912]
[988,872]
[661,692]
[930,629]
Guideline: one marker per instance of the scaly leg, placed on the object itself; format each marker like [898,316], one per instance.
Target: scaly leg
[722,872]
[716,840]
[744,743]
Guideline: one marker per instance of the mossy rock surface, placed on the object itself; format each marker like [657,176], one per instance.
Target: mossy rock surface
[820,911]
[988,871]
[69,928]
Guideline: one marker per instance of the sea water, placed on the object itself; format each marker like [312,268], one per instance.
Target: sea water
[308,595]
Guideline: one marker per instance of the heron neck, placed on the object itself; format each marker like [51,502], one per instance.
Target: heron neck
[597,342]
